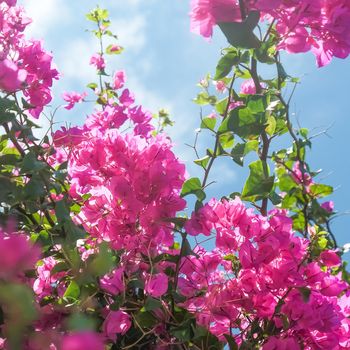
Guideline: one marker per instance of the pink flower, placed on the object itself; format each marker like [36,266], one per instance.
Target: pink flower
[17,254]
[248,87]
[10,2]
[207,13]
[68,137]
[297,41]
[98,61]
[328,206]
[82,341]
[220,86]
[157,285]
[274,343]
[116,322]
[330,258]
[115,49]
[72,98]
[11,78]
[118,80]
[114,283]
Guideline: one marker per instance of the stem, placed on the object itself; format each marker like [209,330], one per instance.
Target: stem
[242,9]
[217,137]
[265,140]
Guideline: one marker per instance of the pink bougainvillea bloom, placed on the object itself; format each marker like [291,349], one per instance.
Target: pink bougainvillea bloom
[248,87]
[82,341]
[297,41]
[98,61]
[157,285]
[17,254]
[116,322]
[220,86]
[113,283]
[330,258]
[115,49]
[275,343]
[119,79]
[205,14]
[68,137]
[11,78]
[328,206]
[10,2]
[72,98]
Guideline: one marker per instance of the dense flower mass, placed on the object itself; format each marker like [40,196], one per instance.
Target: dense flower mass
[24,64]
[17,254]
[322,26]
[94,261]
[259,274]
[133,180]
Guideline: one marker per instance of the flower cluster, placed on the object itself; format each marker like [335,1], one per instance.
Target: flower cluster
[103,200]
[318,25]
[258,277]
[133,180]
[17,255]
[24,64]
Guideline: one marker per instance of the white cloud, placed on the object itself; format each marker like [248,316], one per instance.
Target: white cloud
[131,31]
[73,61]
[131,4]
[46,14]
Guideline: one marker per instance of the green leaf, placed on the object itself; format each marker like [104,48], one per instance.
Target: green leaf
[271,125]
[146,319]
[6,117]
[97,15]
[202,161]
[111,51]
[183,332]
[221,106]
[73,232]
[151,304]
[81,322]
[9,159]
[30,164]
[92,86]
[257,103]
[34,189]
[62,211]
[319,190]
[225,64]
[246,122]
[203,98]
[103,262]
[193,186]
[208,123]
[73,291]
[305,293]
[258,184]
[186,248]
[61,266]
[240,34]
[281,72]
[242,149]
[226,140]
[299,222]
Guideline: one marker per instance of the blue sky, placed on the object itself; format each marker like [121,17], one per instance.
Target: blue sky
[164,62]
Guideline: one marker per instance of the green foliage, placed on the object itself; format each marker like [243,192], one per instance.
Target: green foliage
[242,149]
[259,184]
[226,62]
[240,34]
[193,186]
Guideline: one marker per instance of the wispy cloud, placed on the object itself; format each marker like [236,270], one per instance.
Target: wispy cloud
[46,15]
[131,31]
